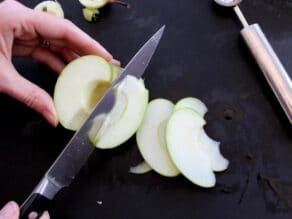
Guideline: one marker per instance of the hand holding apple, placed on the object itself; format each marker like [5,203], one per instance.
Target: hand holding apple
[23,32]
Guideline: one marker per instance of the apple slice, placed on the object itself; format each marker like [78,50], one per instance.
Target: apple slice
[141,168]
[51,7]
[126,115]
[79,87]
[218,162]
[151,137]
[211,147]
[192,103]
[182,137]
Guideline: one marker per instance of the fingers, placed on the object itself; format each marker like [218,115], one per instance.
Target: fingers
[28,93]
[66,53]
[9,211]
[65,33]
[34,215]
[47,57]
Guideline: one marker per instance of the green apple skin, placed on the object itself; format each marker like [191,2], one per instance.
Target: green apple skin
[182,133]
[151,137]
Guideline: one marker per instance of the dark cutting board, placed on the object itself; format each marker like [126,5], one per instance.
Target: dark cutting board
[201,55]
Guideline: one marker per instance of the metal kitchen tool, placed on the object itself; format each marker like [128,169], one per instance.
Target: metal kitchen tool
[266,58]
[79,148]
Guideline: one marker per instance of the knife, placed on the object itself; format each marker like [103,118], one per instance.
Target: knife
[76,153]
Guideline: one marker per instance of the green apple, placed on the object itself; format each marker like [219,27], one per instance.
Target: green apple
[90,14]
[182,136]
[100,3]
[141,168]
[126,116]
[192,103]
[79,87]
[51,7]
[151,137]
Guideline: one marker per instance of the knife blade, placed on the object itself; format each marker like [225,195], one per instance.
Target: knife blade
[79,148]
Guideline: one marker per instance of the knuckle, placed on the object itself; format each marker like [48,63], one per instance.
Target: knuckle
[32,99]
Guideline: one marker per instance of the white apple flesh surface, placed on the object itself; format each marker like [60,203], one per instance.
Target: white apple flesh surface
[218,162]
[141,168]
[192,103]
[79,87]
[51,7]
[151,137]
[126,116]
[182,136]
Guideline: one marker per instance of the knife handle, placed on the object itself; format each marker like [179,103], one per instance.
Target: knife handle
[35,203]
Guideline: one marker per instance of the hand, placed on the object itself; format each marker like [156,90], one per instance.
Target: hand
[23,32]
[11,211]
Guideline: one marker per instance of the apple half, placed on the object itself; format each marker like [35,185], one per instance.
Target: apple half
[126,116]
[79,87]
[151,137]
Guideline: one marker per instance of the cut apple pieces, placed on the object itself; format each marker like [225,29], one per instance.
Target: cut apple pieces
[193,103]
[79,87]
[126,115]
[51,7]
[151,137]
[182,137]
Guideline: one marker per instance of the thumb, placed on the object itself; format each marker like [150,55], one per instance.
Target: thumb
[30,94]
[9,211]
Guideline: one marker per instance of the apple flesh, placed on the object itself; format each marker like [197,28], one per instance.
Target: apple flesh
[141,168]
[218,162]
[51,7]
[193,103]
[79,87]
[182,137]
[126,115]
[151,137]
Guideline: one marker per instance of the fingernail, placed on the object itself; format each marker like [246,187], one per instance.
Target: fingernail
[9,209]
[115,62]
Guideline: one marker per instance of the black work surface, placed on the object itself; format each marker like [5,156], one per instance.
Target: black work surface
[202,55]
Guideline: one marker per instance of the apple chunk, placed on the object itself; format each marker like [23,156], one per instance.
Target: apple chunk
[79,87]
[151,137]
[126,115]
[182,137]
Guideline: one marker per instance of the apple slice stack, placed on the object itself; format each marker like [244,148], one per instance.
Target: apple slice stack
[170,137]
